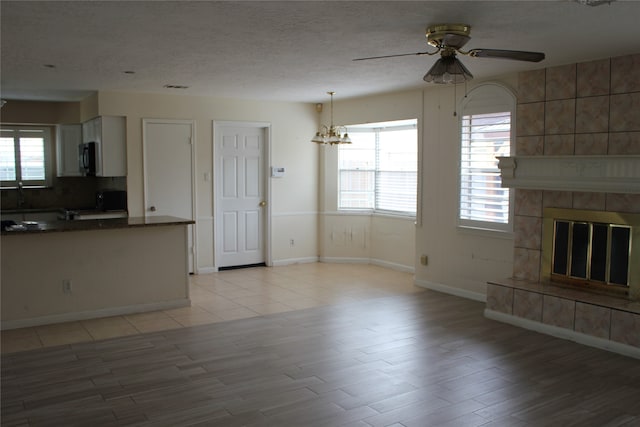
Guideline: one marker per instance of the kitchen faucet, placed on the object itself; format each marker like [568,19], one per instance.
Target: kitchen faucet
[20,194]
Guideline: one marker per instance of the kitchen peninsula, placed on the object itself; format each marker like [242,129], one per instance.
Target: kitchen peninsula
[57,271]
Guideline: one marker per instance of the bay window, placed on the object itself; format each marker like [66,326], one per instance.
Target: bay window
[378,171]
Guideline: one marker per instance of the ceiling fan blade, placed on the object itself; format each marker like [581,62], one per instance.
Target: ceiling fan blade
[393,56]
[518,55]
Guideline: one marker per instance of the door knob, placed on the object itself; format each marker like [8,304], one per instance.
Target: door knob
[152,208]
[262,204]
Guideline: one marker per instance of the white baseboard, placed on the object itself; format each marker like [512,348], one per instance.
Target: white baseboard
[344,260]
[334,260]
[206,270]
[290,261]
[94,314]
[393,265]
[451,290]
[378,262]
[567,334]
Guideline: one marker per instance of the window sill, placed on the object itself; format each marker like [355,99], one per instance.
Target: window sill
[369,212]
[395,216]
[29,187]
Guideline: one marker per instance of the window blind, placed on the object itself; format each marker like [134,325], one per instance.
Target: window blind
[379,170]
[397,171]
[32,158]
[24,155]
[7,158]
[484,137]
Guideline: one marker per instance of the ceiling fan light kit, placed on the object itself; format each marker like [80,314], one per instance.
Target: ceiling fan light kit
[447,69]
[448,39]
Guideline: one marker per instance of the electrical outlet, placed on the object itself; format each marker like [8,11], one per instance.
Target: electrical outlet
[66,286]
[424,260]
[292,242]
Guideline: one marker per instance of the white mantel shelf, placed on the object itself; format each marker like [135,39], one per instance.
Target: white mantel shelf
[610,174]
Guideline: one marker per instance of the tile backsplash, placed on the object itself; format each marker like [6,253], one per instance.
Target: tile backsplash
[75,192]
[590,108]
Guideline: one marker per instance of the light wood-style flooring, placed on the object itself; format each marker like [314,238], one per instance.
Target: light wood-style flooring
[373,358]
[229,295]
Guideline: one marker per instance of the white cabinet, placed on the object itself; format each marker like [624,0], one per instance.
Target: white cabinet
[89,133]
[109,134]
[68,139]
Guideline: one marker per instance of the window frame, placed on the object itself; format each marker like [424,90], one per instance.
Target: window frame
[48,157]
[485,99]
[377,128]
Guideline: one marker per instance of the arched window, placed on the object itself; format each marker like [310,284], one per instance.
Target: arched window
[487,131]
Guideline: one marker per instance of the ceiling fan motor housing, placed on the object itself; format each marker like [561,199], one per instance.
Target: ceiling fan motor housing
[448,35]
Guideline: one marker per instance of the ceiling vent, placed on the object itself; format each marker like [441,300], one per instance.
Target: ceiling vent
[594,2]
[175,87]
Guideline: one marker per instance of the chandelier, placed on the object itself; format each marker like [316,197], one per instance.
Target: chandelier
[331,134]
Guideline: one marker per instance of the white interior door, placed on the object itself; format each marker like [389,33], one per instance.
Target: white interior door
[240,195]
[168,172]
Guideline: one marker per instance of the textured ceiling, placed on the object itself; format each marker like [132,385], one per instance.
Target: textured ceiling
[288,50]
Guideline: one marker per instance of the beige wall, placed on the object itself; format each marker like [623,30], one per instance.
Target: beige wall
[362,237]
[460,261]
[383,240]
[393,242]
[43,113]
[112,272]
[89,108]
[303,203]
[293,199]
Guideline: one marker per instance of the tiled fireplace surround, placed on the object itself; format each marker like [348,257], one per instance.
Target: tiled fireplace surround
[590,108]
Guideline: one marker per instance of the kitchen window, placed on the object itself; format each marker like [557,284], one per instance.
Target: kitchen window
[378,171]
[25,156]
[486,133]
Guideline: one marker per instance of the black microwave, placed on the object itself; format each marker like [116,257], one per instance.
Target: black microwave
[87,162]
[111,200]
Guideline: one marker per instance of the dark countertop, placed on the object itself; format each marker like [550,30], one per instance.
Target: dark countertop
[33,227]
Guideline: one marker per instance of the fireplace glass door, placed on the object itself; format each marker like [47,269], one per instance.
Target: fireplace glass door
[592,251]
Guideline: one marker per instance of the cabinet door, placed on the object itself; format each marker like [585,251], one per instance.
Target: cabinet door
[96,127]
[109,134]
[112,146]
[89,131]
[68,141]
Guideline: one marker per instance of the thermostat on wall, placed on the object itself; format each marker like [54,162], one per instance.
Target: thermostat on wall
[277,172]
